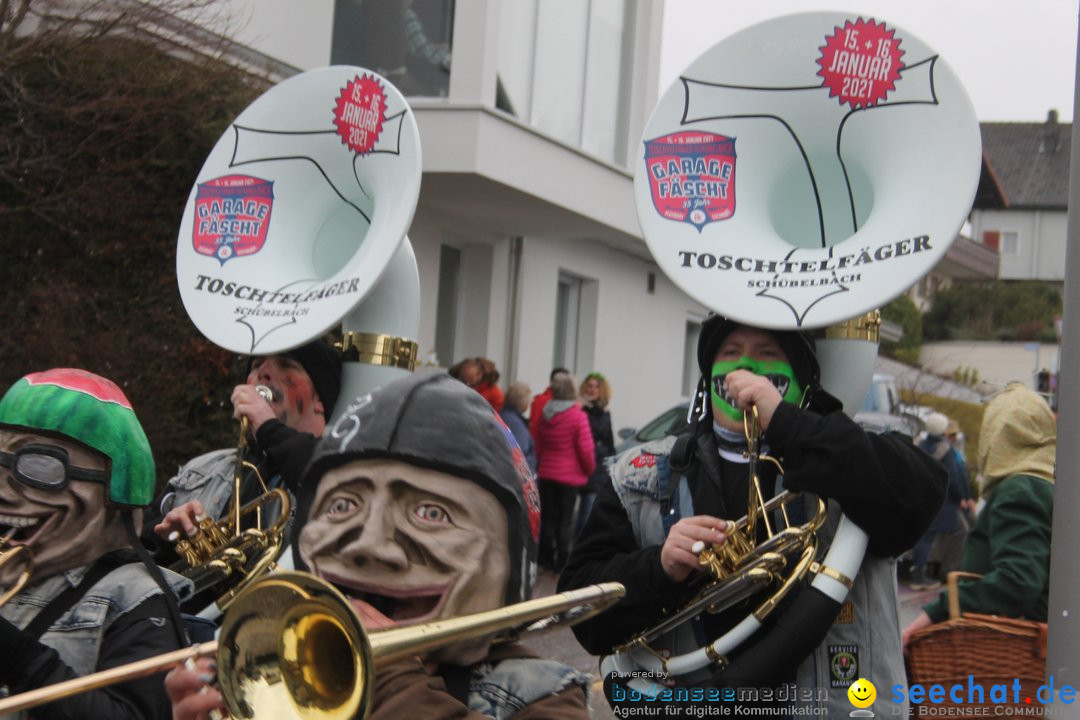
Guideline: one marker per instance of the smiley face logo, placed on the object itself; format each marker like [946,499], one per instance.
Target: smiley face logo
[862,693]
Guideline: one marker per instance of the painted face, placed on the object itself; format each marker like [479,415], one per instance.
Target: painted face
[64,528]
[295,402]
[591,389]
[471,374]
[759,352]
[416,544]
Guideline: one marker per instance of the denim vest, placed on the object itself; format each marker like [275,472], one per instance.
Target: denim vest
[864,641]
[504,688]
[207,478]
[78,633]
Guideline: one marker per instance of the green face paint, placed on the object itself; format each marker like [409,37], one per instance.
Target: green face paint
[778,372]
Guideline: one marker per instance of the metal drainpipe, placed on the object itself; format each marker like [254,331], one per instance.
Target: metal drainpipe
[517,245]
[1063,652]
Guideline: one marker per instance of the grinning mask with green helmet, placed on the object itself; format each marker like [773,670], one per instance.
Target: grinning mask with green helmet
[72,456]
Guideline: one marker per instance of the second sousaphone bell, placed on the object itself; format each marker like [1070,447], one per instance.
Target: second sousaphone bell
[802,172]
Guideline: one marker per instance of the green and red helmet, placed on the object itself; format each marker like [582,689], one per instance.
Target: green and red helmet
[92,411]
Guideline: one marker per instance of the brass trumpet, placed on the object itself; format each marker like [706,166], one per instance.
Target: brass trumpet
[8,553]
[291,646]
[224,552]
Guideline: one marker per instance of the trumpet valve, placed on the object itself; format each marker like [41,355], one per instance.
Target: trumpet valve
[709,559]
[720,560]
[255,538]
[187,552]
[234,558]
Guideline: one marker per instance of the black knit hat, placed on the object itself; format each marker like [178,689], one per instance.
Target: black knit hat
[322,363]
[433,421]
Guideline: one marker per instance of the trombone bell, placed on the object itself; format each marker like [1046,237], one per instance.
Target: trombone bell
[292,646]
[294,649]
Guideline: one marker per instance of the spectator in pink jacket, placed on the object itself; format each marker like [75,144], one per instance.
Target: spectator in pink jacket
[565,459]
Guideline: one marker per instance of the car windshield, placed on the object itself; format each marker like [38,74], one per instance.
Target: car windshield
[670,422]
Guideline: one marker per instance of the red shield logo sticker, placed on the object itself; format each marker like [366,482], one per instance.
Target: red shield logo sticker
[692,177]
[232,215]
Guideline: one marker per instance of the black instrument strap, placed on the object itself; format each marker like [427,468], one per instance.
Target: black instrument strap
[457,680]
[70,597]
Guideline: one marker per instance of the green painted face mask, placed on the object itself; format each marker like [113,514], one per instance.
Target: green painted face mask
[778,372]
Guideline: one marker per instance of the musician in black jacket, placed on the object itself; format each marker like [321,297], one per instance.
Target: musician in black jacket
[667,496]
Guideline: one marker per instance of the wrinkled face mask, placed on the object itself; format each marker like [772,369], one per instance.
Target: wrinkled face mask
[414,543]
[779,373]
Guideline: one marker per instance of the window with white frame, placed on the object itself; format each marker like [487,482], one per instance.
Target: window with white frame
[562,68]
[567,322]
[1010,243]
[446,309]
[408,43]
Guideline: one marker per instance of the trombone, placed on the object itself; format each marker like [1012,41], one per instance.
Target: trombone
[291,646]
[8,553]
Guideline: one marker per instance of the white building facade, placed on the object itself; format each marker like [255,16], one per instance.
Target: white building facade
[526,235]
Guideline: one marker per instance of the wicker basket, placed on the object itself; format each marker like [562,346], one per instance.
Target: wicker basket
[994,650]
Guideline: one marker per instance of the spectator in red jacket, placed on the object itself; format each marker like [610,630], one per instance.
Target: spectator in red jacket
[488,386]
[480,374]
[565,459]
[536,410]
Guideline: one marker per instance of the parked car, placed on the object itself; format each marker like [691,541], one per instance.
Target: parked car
[669,422]
[882,410]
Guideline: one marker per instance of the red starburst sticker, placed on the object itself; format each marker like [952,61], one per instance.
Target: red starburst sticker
[359,113]
[860,63]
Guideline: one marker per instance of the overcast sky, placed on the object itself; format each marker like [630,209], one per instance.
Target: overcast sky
[1016,59]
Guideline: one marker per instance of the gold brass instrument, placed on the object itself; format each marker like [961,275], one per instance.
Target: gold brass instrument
[291,646]
[225,552]
[753,557]
[216,554]
[9,553]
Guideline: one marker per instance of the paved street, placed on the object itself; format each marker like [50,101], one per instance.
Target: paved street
[561,645]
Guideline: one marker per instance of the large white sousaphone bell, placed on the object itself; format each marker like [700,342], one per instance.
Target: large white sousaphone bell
[798,175]
[298,220]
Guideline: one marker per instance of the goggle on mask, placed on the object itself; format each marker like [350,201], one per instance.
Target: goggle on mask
[778,372]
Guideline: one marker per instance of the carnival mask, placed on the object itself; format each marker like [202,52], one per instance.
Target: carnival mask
[778,372]
[414,543]
[52,500]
